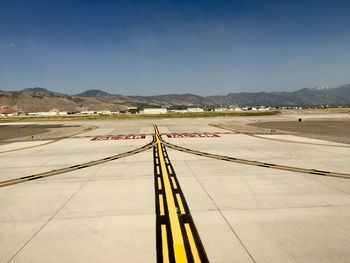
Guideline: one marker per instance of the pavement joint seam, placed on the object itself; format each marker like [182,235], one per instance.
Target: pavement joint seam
[222,215]
[47,221]
[330,187]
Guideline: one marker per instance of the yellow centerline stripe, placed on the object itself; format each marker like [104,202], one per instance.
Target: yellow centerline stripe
[158,171]
[178,243]
[192,243]
[165,244]
[159,183]
[174,182]
[161,205]
[179,201]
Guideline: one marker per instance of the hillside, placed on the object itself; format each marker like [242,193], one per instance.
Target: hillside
[188,100]
[40,99]
[302,97]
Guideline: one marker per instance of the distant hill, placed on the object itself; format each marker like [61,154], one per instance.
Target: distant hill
[95,93]
[188,100]
[40,99]
[302,97]
[37,89]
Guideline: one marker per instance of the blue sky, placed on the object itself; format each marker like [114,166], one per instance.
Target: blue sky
[161,47]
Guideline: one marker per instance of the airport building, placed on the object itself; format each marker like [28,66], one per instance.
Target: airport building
[155,111]
[195,110]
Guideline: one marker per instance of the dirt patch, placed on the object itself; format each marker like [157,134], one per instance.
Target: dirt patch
[11,133]
[330,130]
[244,127]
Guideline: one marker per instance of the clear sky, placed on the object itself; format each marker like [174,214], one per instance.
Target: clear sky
[161,47]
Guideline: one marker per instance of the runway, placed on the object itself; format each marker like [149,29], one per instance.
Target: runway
[186,197]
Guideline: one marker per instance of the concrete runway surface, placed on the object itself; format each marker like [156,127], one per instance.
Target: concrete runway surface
[179,191]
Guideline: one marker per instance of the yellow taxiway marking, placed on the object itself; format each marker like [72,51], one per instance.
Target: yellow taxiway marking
[165,244]
[159,183]
[182,209]
[178,242]
[170,170]
[161,205]
[74,167]
[174,182]
[158,171]
[261,164]
[192,243]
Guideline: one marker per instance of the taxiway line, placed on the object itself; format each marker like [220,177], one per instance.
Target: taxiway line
[173,219]
[257,163]
[74,167]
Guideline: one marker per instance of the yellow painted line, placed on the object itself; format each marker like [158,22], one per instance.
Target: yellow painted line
[248,162]
[161,205]
[174,182]
[165,244]
[178,243]
[157,162]
[182,209]
[158,171]
[167,160]
[192,243]
[170,170]
[72,168]
[159,184]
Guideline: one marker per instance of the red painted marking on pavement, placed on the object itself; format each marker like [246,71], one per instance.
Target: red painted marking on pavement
[118,137]
[192,135]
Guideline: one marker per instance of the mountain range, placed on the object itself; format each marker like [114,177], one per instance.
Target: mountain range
[40,99]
